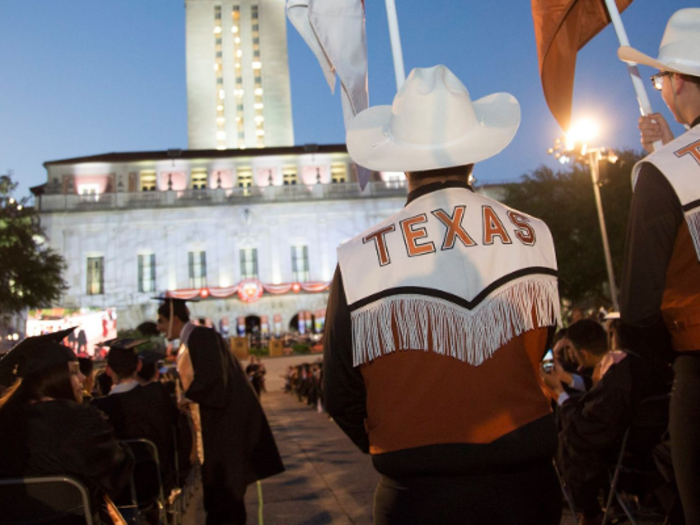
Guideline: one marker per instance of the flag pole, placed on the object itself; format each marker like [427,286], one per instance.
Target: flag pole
[395,38]
[642,97]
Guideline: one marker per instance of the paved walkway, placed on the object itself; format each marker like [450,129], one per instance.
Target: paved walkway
[327,479]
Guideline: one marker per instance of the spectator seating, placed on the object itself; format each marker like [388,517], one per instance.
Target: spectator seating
[58,499]
[146,477]
[634,460]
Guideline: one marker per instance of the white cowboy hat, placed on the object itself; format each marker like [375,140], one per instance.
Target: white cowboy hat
[680,47]
[432,124]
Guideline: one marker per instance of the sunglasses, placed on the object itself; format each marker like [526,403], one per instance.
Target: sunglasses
[658,80]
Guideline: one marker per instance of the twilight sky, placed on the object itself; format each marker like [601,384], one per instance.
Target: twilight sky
[84,77]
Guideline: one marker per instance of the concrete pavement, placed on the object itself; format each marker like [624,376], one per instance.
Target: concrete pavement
[327,479]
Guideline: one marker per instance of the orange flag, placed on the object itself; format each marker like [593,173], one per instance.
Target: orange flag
[562,28]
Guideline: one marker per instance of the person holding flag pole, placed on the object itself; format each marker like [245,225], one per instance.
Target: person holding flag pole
[660,296]
[564,27]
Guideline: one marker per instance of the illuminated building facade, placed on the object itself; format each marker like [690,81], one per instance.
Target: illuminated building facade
[249,233]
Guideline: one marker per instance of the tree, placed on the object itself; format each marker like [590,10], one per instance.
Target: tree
[565,201]
[31,273]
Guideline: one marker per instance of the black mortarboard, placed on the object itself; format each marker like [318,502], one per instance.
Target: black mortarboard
[164,298]
[35,354]
[122,352]
[122,344]
[150,356]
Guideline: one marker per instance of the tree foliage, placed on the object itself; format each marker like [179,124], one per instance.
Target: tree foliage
[565,201]
[31,273]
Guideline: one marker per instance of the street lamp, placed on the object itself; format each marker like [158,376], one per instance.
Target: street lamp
[574,147]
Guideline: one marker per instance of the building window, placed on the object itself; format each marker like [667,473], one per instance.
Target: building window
[339,173]
[249,263]
[148,181]
[245,177]
[88,192]
[147,272]
[238,67]
[95,275]
[289,175]
[300,264]
[220,91]
[198,269]
[199,179]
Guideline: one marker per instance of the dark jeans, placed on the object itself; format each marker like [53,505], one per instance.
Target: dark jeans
[684,428]
[529,496]
[222,507]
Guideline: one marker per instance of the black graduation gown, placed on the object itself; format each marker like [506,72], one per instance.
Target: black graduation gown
[64,437]
[147,412]
[239,448]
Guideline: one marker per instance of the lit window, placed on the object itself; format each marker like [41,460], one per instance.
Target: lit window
[199,177]
[88,192]
[148,181]
[257,65]
[197,269]
[95,275]
[220,135]
[339,173]
[289,175]
[300,264]
[147,272]
[249,263]
[245,176]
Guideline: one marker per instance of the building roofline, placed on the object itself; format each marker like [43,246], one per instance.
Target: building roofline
[172,154]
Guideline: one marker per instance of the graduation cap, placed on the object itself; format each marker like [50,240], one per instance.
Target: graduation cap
[166,298]
[176,306]
[122,344]
[35,354]
[151,356]
[122,352]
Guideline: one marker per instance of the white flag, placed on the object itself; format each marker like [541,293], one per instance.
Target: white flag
[335,32]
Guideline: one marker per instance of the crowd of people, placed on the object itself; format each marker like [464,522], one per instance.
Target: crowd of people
[305,381]
[59,415]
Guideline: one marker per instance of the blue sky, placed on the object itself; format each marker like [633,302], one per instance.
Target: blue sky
[83,77]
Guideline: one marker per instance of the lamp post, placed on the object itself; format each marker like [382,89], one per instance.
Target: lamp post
[574,146]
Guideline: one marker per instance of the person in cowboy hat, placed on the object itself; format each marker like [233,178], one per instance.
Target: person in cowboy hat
[660,293]
[438,317]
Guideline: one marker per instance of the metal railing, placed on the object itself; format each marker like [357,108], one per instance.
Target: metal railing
[206,197]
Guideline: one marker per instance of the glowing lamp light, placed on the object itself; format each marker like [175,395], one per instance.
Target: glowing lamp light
[204,293]
[583,132]
[296,287]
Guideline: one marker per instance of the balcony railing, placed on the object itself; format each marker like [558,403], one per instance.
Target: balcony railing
[213,197]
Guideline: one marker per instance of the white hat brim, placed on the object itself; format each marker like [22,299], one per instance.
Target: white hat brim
[371,145]
[629,54]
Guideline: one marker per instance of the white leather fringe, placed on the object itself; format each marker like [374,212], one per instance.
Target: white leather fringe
[468,335]
[693,220]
